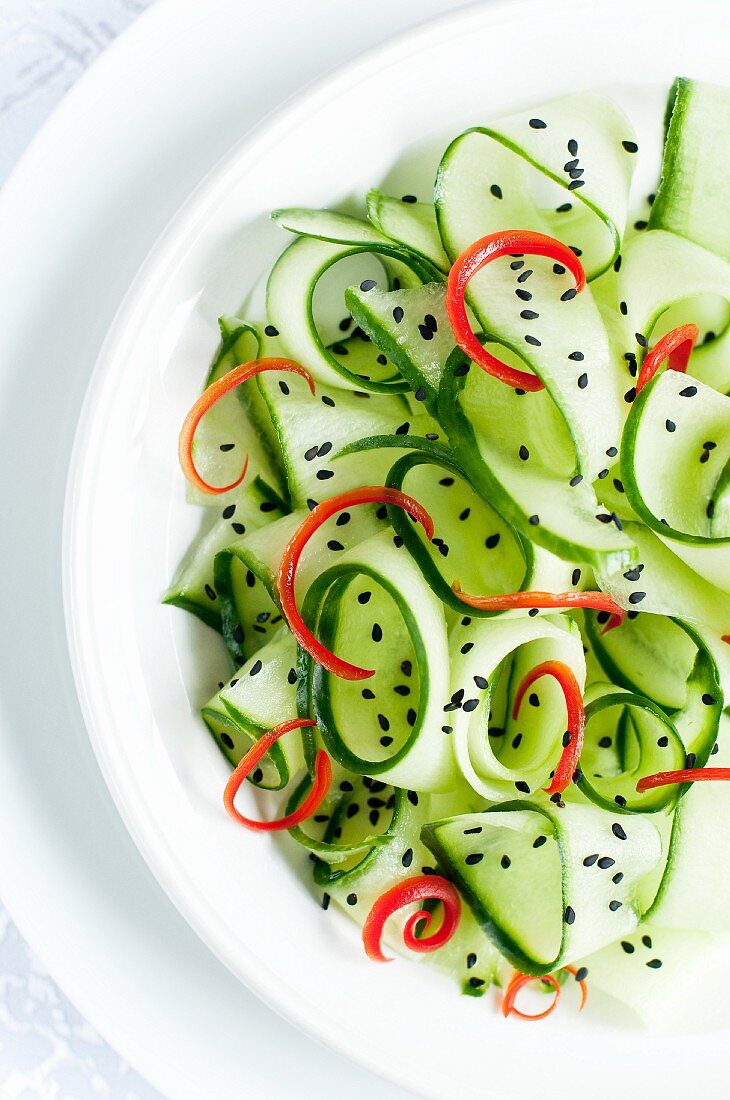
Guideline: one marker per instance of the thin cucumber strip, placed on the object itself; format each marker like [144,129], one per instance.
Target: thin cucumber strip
[661,584]
[663,976]
[330,238]
[508,757]
[655,746]
[311,430]
[675,448]
[695,889]
[692,199]
[527,872]
[665,276]
[411,224]
[193,586]
[356,816]
[584,144]
[411,328]
[375,609]
[650,655]
[528,472]
[261,695]
[245,572]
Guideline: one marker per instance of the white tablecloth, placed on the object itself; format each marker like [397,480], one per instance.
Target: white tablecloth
[47,1050]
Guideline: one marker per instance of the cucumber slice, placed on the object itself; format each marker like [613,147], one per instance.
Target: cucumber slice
[311,430]
[646,742]
[675,449]
[582,143]
[508,758]
[543,495]
[411,224]
[666,586]
[411,328]
[691,199]
[663,976]
[666,280]
[245,572]
[193,587]
[262,694]
[650,655]
[330,238]
[528,873]
[364,609]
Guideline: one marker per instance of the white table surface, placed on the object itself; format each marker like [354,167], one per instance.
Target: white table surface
[47,1049]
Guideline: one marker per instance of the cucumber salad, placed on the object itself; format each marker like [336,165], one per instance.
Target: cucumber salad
[468,547]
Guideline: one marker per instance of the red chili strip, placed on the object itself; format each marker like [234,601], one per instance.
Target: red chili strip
[676,346]
[599,601]
[208,398]
[582,983]
[725,638]
[320,784]
[420,888]
[371,494]
[518,982]
[576,718]
[686,775]
[472,259]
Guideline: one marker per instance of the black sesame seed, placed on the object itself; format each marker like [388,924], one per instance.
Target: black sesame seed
[383,723]
[352,899]
[255,668]
[670,425]
[576,480]
[425,332]
[630,146]
[364,597]
[654,964]
[575,576]
[618,831]
[534,521]
[568,295]
[505,862]
[575,184]
[481,682]
[411,716]
[533,612]
[525,275]
[605,742]
[590,860]
[467,647]
[708,700]
[523,295]
[473,858]
[398,314]
[618,877]
[496,190]
[420,394]
[407,857]
[328,401]
[614,905]
[523,452]
[636,597]
[462,370]
[522,786]
[367,284]
[377,632]
[558,269]
[517,741]
[528,314]
[210,592]
[539,841]
[538,124]
[628,947]
[641,224]
[333,544]
[605,862]
[532,340]
[325,475]
[583,381]
[569,915]
[386,740]
[492,541]
[413,798]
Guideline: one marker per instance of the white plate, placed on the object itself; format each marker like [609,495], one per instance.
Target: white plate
[140,680]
